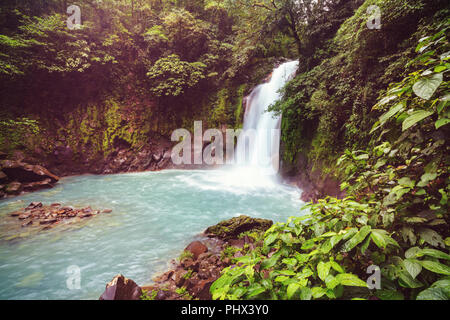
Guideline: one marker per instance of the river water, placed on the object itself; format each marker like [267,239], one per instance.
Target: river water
[155,215]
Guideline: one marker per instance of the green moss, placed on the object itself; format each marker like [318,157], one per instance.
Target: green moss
[232,228]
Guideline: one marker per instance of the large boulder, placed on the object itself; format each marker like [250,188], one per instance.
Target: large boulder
[231,229]
[196,248]
[121,288]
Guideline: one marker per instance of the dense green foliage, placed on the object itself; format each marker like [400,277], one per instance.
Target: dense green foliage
[166,63]
[395,216]
[369,106]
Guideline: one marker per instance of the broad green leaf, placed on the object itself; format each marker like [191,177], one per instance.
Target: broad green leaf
[444,285]
[323,269]
[431,237]
[405,280]
[392,112]
[337,267]
[389,295]
[292,289]
[318,292]
[270,239]
[442,122]
[350,280]
[379,238]
[433,253]
[331,282]
[406,182]
[412,252]
[415,117]
[305,293]
[254,291]
[426,86]
[432,294]
[357,238]
[413,267]
[436,267]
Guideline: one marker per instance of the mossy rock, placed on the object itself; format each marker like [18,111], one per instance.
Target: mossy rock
[231,229]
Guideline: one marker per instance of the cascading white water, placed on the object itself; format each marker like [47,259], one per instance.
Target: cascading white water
[258,147]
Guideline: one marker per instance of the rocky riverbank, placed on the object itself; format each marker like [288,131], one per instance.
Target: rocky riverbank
[199,266]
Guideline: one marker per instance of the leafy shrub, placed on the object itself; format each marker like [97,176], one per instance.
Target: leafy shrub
[395,217]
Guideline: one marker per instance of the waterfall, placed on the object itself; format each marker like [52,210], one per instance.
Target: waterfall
[259,143]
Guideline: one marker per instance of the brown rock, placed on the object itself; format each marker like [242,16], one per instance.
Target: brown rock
[14,188]
[201,290]
[164,277]
[48,221]
[107,211]
[121,288]
[178,277]
[34,205]
[196,248]
[16,213]
[19,171]
[24,216]
[27,223]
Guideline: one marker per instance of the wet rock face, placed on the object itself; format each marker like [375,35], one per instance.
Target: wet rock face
[17,176]
[121,288]
[231,229]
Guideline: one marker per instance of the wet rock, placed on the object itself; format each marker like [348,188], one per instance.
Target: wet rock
[196,248]
[121,288]
[19,171]
[179,277]
[14,188]
[34,186]
[201,290]
[24,216]
[239,243]
[16,213]
[231,229]
[85,215]
[27,223]
[48,221]
[157,157]
[164,277]
[34,205]
[188,264]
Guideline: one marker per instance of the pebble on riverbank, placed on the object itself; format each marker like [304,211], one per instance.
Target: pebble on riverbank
[36,214]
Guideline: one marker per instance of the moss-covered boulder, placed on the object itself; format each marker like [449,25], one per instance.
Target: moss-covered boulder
[231,229]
